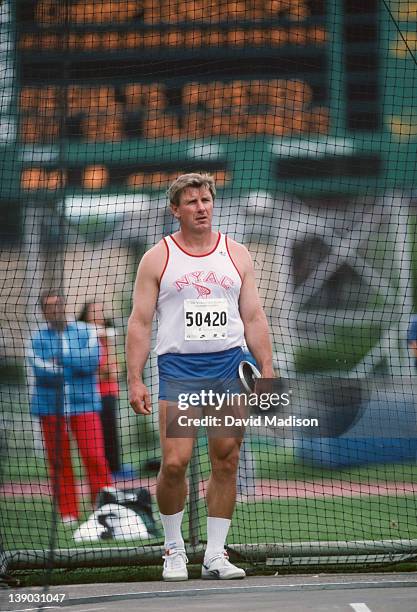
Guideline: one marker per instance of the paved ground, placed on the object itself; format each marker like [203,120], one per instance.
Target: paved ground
[321,593]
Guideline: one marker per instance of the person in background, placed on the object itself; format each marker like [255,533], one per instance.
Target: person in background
[93,313]
[412,338]
[64,357]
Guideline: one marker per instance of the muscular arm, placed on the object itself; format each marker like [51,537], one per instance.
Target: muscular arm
[254,320]
[139,329]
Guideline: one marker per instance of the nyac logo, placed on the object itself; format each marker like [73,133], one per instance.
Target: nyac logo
[195,280]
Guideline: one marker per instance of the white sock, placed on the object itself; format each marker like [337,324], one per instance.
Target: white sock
[172,529]
[217,529]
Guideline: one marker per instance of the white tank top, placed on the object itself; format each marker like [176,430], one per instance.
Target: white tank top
[198,302]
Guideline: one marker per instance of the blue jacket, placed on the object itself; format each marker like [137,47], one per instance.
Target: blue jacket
[65,376]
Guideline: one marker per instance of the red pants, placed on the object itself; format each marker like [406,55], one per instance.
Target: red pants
[88,432]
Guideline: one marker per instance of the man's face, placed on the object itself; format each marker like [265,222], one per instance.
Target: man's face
[195,210]
[53,309]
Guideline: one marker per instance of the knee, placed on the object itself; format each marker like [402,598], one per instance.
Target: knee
[173,469]
[225,468]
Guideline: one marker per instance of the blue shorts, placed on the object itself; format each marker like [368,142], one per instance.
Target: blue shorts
[192,372]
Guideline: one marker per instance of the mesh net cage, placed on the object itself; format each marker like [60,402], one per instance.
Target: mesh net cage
[305,114]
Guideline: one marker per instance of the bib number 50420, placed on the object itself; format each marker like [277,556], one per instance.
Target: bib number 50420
[211,319]
[205,319]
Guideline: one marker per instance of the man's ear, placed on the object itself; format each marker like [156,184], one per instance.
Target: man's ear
[174,210]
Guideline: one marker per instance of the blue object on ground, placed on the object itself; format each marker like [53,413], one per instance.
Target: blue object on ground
[126,472]
[386,432]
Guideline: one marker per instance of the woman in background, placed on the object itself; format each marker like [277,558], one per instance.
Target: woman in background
[93,313]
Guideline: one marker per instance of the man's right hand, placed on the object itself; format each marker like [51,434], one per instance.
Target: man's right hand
[139,398]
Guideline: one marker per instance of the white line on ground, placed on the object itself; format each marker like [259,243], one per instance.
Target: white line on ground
[31,609]
[360,607]
[53,608]
[92,609]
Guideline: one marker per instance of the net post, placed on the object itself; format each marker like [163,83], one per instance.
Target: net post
[336,66]
[194,482]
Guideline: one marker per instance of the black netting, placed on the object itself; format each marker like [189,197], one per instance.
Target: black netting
[304,112]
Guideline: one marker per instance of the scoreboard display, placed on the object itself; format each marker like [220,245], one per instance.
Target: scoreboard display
[252,83]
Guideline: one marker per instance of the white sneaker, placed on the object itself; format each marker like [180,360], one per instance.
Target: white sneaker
[220,568]
[175,565]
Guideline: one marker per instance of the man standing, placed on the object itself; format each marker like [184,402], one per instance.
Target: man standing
[196,274]
[64,356]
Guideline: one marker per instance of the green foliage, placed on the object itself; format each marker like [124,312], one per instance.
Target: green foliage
[94,228]
[341,351]
[12,373]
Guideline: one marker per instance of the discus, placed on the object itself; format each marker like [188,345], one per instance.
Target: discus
[248,374]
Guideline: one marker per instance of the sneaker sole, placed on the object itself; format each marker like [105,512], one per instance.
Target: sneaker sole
[175,579]
[232,577]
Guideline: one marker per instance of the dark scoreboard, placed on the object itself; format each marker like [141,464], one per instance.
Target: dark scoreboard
[104,82]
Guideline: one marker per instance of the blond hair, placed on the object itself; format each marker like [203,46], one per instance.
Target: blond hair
[192,179]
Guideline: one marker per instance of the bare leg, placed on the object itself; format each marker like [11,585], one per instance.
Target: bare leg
[221,490]
[171,488]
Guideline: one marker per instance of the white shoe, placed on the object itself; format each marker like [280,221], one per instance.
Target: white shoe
[175,565]
[220,568]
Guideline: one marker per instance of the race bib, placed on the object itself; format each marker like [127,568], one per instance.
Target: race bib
[206,319]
